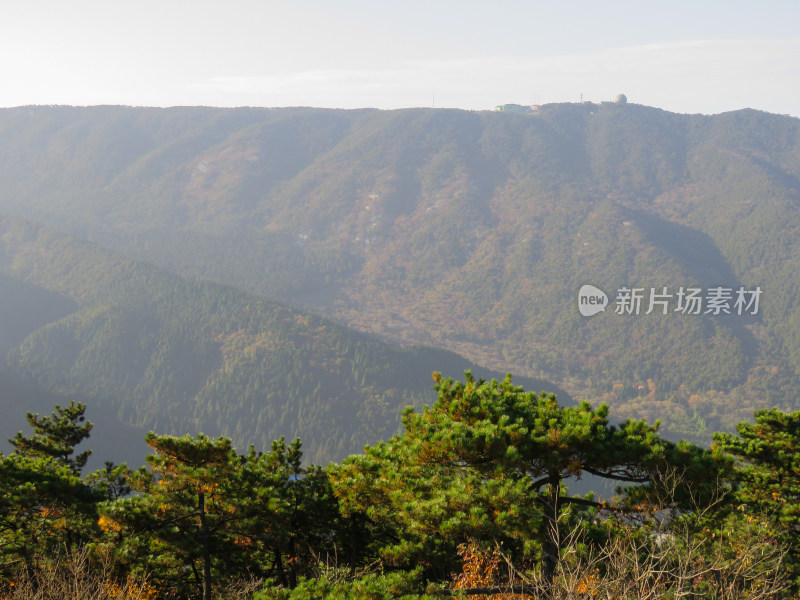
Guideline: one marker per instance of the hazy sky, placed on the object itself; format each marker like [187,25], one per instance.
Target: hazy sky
[683,56]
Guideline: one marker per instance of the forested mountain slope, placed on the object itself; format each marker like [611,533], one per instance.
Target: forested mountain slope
[175,356]
[471,231]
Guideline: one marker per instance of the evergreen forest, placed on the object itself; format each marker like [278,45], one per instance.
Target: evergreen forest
[470,500]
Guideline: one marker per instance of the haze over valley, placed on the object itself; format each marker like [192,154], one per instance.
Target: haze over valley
[467,231]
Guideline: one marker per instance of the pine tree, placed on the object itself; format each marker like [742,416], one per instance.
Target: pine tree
[57,435]
[768,475]
[112,481]
[205,513]
[45,509]
[489,461]
[174,525]
[304,522]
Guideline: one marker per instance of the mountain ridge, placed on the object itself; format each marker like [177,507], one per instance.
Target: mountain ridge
[176,356]
[466,230]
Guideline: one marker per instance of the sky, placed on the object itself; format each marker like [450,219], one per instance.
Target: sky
[682,56]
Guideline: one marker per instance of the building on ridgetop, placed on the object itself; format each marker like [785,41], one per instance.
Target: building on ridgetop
[519,108]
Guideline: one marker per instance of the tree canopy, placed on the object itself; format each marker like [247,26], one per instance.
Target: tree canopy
[472,498]
[490,460]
